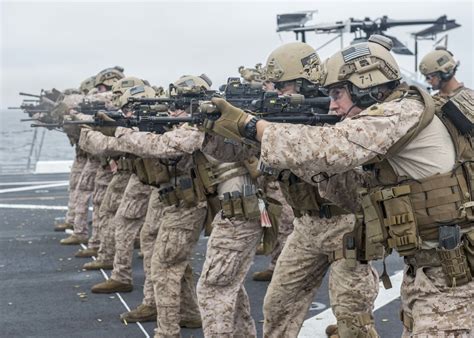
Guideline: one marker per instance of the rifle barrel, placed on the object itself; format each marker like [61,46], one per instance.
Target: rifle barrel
[32,95]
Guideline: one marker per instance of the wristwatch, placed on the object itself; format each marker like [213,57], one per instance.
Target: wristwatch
[250,129]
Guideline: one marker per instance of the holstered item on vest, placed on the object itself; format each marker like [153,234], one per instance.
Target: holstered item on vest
[469,249]
[452,257]
[140,171]
[156,172]
[301,196]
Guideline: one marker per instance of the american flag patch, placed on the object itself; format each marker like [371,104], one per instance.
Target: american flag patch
[354,52]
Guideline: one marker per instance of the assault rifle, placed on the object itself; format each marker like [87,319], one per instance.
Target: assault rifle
[242,95]
[90,107]
[180,98]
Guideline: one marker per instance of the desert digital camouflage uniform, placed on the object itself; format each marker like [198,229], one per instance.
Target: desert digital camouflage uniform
[77,166]
[433,306]
[128,221]
[223,300]
[148,235]
[102,145]
[102,180]
[179,228]
[286,222]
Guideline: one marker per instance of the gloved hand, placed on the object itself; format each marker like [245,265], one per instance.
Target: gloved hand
[108,130]
[232,122]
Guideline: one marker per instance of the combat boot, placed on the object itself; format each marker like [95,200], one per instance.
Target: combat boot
[111,286]
[191,323]
[331,331]
[97,265]
[142,313]
[63,227]
[263,276]
[260,251]
[74,240]
[89,252]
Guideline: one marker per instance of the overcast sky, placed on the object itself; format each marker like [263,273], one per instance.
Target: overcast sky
[59,44]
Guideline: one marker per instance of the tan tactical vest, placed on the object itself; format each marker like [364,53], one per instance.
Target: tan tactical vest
[400,213]
[304,198]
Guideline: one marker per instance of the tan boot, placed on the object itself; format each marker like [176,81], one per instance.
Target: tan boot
[63,227]
[74,240]
[89,252]
[97,265]
[191,323]
[260,251]
[331,331]
[111,286]
[142,313]
[263,276]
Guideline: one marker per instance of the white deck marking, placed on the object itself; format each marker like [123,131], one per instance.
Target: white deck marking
[34,206]
[6,184]
[316,326]
[36,187]
[70,232]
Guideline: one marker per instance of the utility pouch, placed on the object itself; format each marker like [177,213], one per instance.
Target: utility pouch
[161,173]
[300,195]
[226,205]
[236,201]
[452,257]
[250,202]
[186,192]
[349,248]
[394,207]
[469,249]
[374,233]
[140,171]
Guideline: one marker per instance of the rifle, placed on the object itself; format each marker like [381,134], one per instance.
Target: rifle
[180,98]
[90,107]
[242,95]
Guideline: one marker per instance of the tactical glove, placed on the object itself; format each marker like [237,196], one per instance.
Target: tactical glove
[231,123]
[109,130]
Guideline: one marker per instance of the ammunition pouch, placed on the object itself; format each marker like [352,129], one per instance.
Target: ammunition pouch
[455,266]
[125,164]
[469,249]
[181,193]
[234,205]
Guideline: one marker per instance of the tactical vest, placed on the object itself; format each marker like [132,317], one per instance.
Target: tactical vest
[304,198]
[125,163]
[401,213]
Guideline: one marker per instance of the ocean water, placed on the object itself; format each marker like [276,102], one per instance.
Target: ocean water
[16,139]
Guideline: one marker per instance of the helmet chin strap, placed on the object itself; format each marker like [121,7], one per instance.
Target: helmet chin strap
[349,110]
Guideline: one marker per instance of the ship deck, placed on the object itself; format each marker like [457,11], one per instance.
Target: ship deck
[45,292]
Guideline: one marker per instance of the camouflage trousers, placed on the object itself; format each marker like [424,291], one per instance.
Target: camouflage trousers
[300,270]
[102,179]
[127,221]
[83,194]
[76,170]
[148,235]
[171,272]
[434,309]
[108,209]
[223,300]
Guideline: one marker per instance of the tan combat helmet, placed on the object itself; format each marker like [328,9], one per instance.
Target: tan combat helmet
[119,87]
[109,76]
[87,85]
[362,67]
[190,81]
[291,61]
[440,60]
[141,91]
